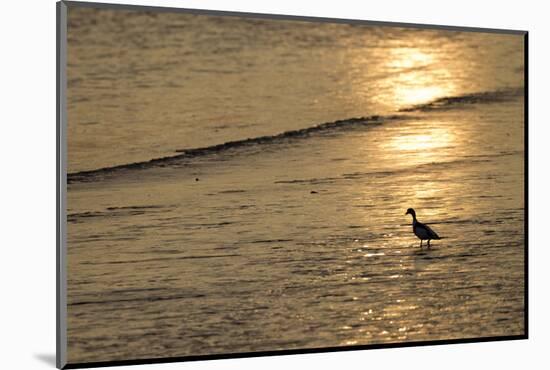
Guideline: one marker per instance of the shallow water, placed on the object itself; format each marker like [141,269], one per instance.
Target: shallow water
[143,85]
[300,240]
[249,259]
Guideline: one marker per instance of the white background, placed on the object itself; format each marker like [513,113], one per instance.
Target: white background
[27,206]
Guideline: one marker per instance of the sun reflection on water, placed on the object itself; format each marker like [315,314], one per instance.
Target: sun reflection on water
[409,57]
[407,95]
[434,138]
[426,145]
[421,77]
[415,76]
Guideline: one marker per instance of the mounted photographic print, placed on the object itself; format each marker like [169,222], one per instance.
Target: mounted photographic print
[234,184]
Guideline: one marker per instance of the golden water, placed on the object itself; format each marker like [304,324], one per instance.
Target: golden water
[299,241]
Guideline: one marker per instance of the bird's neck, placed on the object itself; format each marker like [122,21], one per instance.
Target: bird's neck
[414,219]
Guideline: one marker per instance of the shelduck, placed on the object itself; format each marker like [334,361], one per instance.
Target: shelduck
[422,231]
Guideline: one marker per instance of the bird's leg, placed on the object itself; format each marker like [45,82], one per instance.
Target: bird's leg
[428,243]
[420,243]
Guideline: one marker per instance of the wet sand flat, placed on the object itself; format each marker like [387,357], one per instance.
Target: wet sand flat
[304,244]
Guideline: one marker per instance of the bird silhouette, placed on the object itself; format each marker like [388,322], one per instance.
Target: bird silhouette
[422,231]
